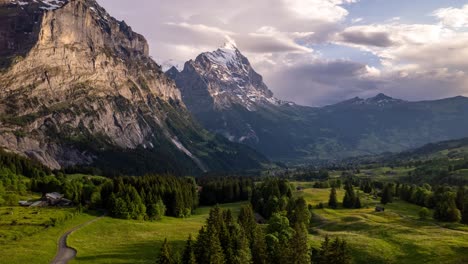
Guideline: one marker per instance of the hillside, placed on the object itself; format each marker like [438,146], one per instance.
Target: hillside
[78,88]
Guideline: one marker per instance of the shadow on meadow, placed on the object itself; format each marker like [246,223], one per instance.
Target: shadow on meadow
[141,252]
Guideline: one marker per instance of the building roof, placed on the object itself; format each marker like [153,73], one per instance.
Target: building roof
[54,195]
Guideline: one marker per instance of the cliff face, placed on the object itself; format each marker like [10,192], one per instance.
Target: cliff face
[76,82]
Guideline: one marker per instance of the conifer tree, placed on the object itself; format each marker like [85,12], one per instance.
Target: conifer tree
[189,252]
[299,249]
[358,204]
[247,221]
[215,251]
[332,201]
[259,248]
[386,195]
[464,219]
[165,254]
[460,199]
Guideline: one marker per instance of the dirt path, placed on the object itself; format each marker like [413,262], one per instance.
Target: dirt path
[65,253]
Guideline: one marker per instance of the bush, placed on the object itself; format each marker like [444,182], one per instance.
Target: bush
[424,213]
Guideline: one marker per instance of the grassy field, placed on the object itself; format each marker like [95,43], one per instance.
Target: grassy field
[27,236]
[396,236]
[124,241]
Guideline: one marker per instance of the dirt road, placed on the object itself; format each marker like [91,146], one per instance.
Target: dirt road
[65,253]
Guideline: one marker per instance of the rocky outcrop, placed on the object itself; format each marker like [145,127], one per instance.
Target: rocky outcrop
[82,82]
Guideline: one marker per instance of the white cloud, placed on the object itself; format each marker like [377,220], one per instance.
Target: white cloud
[453,17]
[418,60]
[325,10]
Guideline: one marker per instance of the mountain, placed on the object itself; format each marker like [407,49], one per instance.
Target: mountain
[223,92]
[78,88]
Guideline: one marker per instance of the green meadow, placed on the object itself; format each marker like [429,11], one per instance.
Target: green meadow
[395,236]
[111,240]
[29,235]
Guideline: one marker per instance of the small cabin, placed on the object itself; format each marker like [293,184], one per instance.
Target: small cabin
[380,209]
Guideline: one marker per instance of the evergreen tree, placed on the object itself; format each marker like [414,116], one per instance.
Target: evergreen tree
[189,252]
[165,254]
[460,199]
[215,251]
[259,248]
[246,220]
[386,195]
[332,201]
[465,213]
[350,197]
[335,252]
[358,204]
[299,248]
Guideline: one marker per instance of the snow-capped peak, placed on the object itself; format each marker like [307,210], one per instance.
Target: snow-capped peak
[230,44]
[45,4]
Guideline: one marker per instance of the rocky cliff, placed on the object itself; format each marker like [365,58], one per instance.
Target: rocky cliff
[76,83]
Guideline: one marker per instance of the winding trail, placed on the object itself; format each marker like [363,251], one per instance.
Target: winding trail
[66,253]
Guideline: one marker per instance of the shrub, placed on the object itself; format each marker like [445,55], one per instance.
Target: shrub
[423,213]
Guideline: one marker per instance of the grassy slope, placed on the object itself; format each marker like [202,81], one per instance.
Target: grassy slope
[396,236]
[30,241]
[124,241]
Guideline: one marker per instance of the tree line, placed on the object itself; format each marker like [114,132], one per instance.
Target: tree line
[219,190]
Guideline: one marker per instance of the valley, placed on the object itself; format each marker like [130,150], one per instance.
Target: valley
[106,153]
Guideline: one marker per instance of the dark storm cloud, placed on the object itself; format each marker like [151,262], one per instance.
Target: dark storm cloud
[378,39]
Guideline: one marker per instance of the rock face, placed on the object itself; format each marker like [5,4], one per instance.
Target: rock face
[226,95]
[76,83]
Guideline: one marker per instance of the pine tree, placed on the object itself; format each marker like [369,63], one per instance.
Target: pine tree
[165,254]
[259,248]
[189,252]
[465,213]
[350,196]
[460,199]
[386,195]
[246,219]
[332,201]
[299,248]
[215,251]
[358,204]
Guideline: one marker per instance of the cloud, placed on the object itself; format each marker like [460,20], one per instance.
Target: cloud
[453,17]
[286,41]
[361,37]
[260,26]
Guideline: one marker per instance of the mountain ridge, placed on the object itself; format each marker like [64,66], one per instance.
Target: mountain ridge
[288,132]
[86,92]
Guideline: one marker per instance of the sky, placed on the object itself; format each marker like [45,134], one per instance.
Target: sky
[318,52]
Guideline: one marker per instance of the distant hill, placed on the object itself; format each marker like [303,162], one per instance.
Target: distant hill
[452,149]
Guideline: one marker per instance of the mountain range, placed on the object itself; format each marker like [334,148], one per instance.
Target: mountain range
[228,97]
[78,88]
